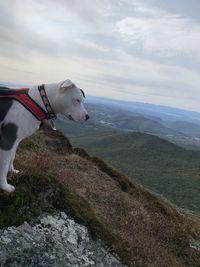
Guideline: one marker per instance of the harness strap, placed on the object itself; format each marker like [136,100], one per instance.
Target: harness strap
[22,96]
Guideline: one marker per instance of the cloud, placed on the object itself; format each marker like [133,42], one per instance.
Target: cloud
[161,34]
[127,49]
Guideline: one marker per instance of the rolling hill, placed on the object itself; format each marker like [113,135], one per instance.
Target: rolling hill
[105,118]
[164,167]
[123,120]
[187,128]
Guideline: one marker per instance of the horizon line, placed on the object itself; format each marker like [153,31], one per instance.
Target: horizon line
[113,99]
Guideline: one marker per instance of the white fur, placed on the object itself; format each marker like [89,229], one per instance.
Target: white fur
[64,98]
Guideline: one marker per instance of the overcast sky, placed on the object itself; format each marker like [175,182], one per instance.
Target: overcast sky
[147,51]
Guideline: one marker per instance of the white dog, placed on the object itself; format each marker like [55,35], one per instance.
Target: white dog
[19,120]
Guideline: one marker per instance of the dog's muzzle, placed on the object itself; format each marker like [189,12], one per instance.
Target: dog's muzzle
[72,119]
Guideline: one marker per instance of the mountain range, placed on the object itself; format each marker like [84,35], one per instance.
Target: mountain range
[108,117]
[157,112]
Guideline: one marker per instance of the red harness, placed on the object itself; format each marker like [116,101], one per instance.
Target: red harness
[22,96]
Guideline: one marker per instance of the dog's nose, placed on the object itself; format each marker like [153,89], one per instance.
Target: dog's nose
[87,117]
[70,117]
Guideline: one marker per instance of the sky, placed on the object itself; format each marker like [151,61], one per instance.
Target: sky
[135,50]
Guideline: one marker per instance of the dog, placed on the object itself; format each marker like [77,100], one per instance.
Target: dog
[18,121]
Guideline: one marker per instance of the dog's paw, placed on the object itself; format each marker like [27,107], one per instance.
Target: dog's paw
[15,171]
[8,188]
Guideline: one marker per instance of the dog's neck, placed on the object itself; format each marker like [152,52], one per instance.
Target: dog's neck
[50,90]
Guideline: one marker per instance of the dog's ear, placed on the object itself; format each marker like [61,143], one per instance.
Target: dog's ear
[67,84]
[82,93]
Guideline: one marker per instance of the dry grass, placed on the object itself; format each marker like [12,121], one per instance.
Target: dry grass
[143,229]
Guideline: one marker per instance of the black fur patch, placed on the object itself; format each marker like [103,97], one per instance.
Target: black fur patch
[5,105]
[82,93]
[8,136]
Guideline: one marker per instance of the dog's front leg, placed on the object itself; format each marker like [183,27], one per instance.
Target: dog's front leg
[5,158]
[11,167]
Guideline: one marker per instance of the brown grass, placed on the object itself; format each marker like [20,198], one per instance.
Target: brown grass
[145,229]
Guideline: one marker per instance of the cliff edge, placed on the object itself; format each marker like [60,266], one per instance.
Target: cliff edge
[132,223]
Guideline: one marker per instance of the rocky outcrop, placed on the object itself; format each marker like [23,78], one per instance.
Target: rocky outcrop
[52,240]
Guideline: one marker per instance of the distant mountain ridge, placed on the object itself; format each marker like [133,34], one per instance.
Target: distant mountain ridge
[14,85]
[152,110]
[123,120]
[105,118]
[111,118]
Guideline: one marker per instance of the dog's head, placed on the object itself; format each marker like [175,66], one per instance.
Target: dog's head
[70,101]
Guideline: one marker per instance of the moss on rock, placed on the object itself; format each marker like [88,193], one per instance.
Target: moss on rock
[32,196]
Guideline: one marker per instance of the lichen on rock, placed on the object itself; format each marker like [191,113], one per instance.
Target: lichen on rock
[52,240]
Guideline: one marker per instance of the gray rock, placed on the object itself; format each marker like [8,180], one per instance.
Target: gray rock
[195,244]
[52,240]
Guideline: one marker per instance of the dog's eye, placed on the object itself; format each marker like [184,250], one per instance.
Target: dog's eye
[78,101]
